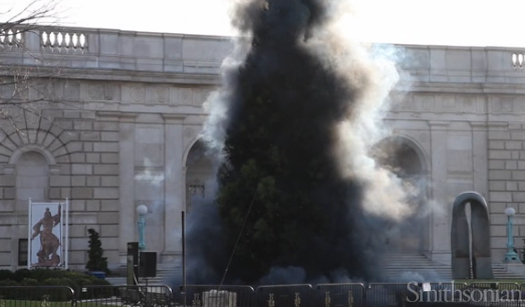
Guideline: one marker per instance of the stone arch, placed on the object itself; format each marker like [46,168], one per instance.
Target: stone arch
[460,242]
[188,146]
[199,173]
[43,141]
[409,143]
[406,159]
[33,147]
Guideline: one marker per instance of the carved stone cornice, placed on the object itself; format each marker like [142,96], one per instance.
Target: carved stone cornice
[438,125]
[117,116]
[174,118]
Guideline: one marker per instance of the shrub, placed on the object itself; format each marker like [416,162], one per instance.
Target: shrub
[59,294]
[97,261]
[8,283]
[21,274]
[6,274]
[53,277]
[44,274]
[33,294]
[8,293]
[30,282]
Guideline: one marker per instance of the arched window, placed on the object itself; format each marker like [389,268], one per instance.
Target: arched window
[199,170]
[400,157]
[32,178]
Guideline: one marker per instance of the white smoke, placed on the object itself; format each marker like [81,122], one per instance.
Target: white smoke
[217,103]
[372,72]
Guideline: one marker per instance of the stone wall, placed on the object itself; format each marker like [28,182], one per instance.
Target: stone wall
[121,113]
[506,181]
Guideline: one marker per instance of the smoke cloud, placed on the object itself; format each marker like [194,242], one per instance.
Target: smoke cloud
[335,91]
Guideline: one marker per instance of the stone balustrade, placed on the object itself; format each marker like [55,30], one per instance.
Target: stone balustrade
[113,49]
[64,40]
[197,54]
[11,38]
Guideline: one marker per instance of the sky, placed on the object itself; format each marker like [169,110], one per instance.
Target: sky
[421,22]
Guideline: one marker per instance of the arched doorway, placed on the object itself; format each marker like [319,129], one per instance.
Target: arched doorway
[399,155]
[199,174]
[32,178]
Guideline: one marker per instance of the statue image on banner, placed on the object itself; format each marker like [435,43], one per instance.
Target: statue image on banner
[48,252]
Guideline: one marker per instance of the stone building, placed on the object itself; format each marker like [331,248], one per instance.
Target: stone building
[110,120]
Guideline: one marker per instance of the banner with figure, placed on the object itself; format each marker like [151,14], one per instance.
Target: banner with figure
[48,235]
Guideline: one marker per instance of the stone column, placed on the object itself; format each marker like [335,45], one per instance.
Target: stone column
[440,238]
[174,186]
[127,223]
[480,158]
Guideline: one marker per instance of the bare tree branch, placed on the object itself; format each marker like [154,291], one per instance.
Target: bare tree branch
[27,87]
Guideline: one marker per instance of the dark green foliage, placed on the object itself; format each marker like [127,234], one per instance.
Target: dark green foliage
[6,274]
[8,283]
[284,111]
[34,294]
[29,282]
[21,274]
[59,294]
[281,176]
[7,293]
[53,278]
[97,261]
[42,274]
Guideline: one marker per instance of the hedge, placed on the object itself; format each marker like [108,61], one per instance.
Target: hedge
[50,277]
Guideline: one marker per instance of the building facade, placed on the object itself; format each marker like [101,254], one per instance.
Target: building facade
[110,120]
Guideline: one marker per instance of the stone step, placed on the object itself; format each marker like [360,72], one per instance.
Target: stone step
[395,265]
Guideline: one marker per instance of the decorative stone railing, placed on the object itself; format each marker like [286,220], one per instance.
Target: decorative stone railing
[113,49]
[517,60]
[119,51]
[64,40]
[11,37]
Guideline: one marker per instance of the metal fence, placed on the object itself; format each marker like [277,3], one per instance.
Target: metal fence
[42,296]
[302,295]
[151,295]
[285,296]
[215,295]
[340,295]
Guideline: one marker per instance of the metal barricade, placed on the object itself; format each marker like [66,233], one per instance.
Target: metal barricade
[493,294]
[218,296]
[438,292]
[521,302]
[30,296]
[392,294]
[340,295]
[510,294]
[301,295]
[148,296]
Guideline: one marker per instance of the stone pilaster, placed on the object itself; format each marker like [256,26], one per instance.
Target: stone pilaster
[127,226]
[480,158]
[440,237]
[174,186]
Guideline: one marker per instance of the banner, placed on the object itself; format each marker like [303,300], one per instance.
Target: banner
[48,235]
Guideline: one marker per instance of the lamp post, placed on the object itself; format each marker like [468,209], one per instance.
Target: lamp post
[141,210]
[511,255]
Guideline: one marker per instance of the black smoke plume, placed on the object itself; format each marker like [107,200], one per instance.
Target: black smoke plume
[304,107]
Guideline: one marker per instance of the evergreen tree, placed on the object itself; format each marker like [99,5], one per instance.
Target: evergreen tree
[97,261]
[281,195]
